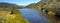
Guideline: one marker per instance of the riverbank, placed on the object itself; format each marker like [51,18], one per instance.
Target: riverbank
[6,17]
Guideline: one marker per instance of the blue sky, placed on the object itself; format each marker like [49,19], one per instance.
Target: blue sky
[20,2]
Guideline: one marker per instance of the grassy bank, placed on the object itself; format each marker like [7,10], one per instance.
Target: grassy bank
[6,17]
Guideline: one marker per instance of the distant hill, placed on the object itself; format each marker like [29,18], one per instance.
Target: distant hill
[6,5]
[10,5]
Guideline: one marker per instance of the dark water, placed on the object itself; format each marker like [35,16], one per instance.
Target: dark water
[33,15]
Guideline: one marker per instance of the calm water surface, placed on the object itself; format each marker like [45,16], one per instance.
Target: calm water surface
[33,15]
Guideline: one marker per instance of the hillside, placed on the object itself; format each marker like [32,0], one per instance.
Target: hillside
[6,5]
[51,8]
[10,14]
[9,5]
[46,5]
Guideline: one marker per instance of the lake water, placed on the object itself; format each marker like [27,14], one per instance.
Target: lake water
[33,15]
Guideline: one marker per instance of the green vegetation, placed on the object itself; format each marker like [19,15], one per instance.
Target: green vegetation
[48,7]
[10,14]
[43,5]
[6,17]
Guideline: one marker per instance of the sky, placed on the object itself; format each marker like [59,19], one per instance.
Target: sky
[20,2]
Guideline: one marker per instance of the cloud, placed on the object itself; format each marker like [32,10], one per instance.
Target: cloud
[23,4]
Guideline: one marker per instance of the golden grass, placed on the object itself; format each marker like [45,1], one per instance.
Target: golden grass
[12,18]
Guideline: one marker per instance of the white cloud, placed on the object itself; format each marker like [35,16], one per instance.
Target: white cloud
[23,4]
